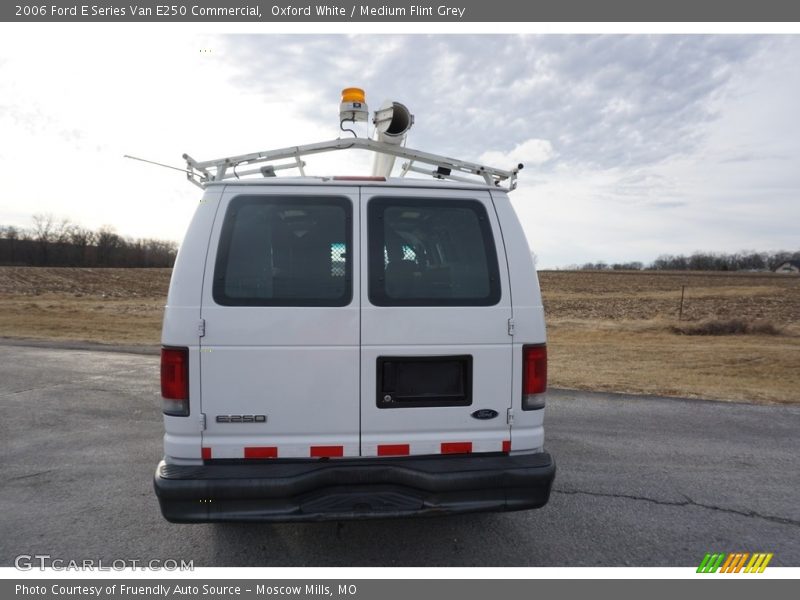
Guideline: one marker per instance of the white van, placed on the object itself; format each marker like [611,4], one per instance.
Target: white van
[352,347]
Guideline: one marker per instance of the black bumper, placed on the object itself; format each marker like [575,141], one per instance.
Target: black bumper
[316,490]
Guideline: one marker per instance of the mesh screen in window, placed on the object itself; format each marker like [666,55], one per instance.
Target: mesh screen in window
[277,251]
[431,252]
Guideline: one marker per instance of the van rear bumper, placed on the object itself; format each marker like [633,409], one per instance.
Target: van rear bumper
[317,490]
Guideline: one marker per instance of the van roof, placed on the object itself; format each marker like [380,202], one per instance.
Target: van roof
[263,165]
[355,180]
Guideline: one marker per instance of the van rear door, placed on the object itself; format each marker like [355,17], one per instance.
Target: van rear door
[279,357]
[436,354]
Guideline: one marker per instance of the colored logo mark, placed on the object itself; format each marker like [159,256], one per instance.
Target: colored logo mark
[734,562]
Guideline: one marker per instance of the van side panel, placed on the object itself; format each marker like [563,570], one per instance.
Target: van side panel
[527,432]
[181,318]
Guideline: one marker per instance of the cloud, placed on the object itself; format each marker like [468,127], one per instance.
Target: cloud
[530,153]
[604,101]
[635,145]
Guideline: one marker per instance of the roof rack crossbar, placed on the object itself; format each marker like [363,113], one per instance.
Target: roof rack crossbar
[438,174]
[201,173]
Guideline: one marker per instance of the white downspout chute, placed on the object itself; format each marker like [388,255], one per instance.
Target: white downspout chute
[392,122]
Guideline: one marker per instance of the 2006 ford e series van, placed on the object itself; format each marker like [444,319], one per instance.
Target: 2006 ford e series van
[352,347]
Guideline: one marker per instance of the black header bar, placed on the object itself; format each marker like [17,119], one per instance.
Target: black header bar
[454,11]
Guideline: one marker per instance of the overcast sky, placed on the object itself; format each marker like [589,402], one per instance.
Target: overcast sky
[634,146]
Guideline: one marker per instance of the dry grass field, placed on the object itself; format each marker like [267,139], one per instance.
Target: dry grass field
[612,331]
[114,306]
[619,331]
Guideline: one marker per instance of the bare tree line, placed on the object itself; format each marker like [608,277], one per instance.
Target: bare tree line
[746,260]
[62,243]
[52,242]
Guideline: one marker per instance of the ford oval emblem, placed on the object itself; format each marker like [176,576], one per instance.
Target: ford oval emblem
[485,413]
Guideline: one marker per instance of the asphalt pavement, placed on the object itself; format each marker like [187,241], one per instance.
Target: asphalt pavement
[642,481]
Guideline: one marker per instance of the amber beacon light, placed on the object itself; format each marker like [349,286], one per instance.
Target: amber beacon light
[353,95]
[354,105]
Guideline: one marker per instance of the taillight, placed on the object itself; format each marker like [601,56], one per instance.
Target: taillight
[175,381]
[534,376]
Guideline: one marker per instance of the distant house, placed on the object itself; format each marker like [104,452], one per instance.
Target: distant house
[790,266]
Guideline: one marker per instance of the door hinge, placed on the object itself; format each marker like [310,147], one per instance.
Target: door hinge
[202,419]
[201,327]
[510,416]
[511,327]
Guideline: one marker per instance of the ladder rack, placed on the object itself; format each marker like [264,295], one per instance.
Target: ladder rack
[201,173]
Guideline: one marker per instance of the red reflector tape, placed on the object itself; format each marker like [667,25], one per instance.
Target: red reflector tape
[393,450]
[321,451]
[205,453]
[261,452]
[506,446]
[456,447]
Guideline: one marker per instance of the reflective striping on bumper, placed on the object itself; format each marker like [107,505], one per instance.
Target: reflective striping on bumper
[456,447]
[326,451]
[393,449]
[261,452]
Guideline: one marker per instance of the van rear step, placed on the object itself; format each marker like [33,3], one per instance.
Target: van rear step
[314,490]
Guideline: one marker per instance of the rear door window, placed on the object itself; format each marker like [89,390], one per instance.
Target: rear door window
[285,251]
[431,252]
